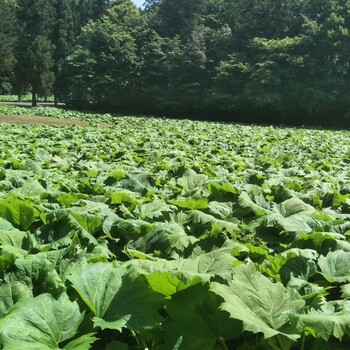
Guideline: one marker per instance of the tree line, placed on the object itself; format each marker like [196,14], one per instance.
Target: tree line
[263,61]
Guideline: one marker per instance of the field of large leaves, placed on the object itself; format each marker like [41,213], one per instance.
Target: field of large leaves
[165,235]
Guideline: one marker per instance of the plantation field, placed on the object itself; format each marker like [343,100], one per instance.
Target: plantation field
[165,234]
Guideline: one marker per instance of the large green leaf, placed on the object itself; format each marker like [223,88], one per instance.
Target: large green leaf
[137,182]
[191,203]
[91,223]
[222,191]
[335,266]
[246,207]
[97,285]
[58,230]
[41,323]
[167,284]
[275,228]
[345,289]
[30,188]
[297,269]
[203,324]
[293,206]
[221,210]
[127,228]
[287,219]
[323,242]
[82,343]
[331,319]
[10,235]
[12,290]
[261,305]
[20,213]
[115,298]
[191,180]
[165,238]
[39,274]
[153,210]
[64,260]
[201,219]
[125,197]
[63,228]
[205,267]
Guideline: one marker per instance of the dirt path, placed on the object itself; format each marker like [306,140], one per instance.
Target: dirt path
[40,121]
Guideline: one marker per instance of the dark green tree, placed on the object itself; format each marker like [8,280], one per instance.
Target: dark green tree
[99,8]
[63,38]
[7,42]
[106,59]
[249,60]
[178,17]
[34,50]
[86,10]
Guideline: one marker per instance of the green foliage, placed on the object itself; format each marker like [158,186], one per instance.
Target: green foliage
[7,43]
[117,300]
[261,305]
[34,48]
[330,319]
[241,61]
[18,212]
[252,62]
[41,323]
[167,234]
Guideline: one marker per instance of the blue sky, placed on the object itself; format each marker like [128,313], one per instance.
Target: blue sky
[138,2]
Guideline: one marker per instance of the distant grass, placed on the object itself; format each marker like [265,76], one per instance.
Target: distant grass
[24,98]
[55,113]
[42,121]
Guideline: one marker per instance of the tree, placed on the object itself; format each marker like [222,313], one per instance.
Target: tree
[300,79]
[63,37]
[34,50]
[99,8]
[106,58]
[178,17]
[268,19]
[86,10]
[249,60]
[7,42]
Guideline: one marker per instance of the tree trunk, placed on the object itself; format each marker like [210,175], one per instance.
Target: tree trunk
[34,102]
[55,101]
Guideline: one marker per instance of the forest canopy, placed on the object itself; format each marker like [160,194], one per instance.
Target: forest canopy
[263,61]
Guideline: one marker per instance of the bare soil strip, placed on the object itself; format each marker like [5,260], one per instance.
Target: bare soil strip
[43,121]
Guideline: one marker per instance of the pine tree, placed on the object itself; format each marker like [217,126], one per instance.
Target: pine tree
[34,51]
[63,37]
[99,8]
[86,10]
[7,41]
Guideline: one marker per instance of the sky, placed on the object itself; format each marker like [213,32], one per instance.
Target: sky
[138,2]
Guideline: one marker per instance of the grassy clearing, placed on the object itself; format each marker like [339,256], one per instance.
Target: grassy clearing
[39,120]
[24,98]
[50,115]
